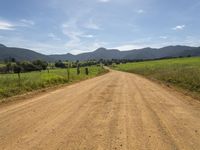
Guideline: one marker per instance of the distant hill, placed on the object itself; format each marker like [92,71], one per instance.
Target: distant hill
[21,54]
[136,54]
[165,52]
[1,45]
[67,56]
[102,53]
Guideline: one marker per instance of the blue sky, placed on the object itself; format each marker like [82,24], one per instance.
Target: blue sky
[75,26]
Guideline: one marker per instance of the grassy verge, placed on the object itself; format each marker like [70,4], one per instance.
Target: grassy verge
[181,72]
[10,85]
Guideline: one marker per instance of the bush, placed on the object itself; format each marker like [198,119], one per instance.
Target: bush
[40,64]
[28,66]
[60,64]
[17,68]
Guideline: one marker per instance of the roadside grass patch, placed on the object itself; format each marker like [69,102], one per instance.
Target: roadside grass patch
[11,86]
[181,72]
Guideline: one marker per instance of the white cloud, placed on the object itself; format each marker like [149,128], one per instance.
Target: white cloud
[140,11]
[137,44]
[4,25]
[127,47]
[76,42]
[156,43]
[179,27]
[76,36]
[103,1]
[71,30]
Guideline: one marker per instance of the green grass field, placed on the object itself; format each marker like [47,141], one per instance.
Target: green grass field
[2,65]
[181,72]
[10,85]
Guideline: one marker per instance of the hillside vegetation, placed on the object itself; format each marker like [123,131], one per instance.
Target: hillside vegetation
[181,72]
[21,54]
[136,54]
[10,84]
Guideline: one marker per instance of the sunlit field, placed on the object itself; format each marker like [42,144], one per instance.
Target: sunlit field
[182,72]
[11,85]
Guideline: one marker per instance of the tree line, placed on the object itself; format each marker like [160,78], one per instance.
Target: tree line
[23,66]
[12,66]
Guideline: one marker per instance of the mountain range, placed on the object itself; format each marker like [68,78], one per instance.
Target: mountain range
[21,54]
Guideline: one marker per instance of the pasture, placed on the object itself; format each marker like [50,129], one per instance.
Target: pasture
[10,84]
[181,72]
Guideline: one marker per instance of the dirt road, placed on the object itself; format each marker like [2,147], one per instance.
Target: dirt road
[118,111]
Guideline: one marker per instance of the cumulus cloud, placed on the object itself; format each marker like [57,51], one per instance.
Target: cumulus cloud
[178,27]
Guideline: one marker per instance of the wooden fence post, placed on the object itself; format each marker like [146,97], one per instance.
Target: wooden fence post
[68,72]
[19,79]
[78,69]
[86,71]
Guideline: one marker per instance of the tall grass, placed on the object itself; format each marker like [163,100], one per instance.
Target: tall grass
[10,84]
[182,72]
